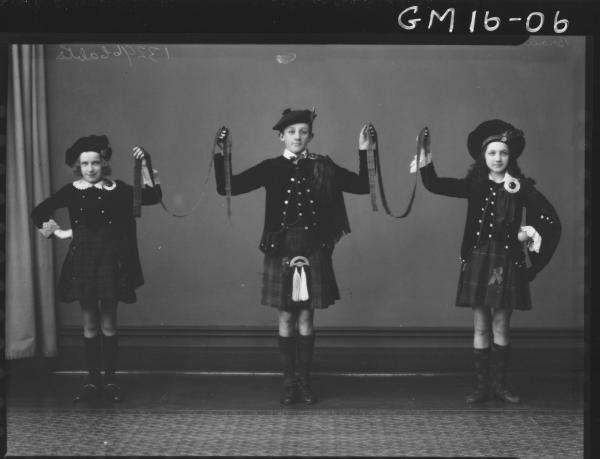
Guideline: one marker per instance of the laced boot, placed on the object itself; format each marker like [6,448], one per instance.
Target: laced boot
[482,373]
[287,352]
[500,388]
[306,346]
[91,387]
[112,390]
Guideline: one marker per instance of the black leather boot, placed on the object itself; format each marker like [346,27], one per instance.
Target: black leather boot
[482,373]
[306,345]
[500,389]
[91,388]
[287,352]
[112,390]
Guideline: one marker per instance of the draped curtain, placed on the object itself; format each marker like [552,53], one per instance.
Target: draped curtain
[30,304]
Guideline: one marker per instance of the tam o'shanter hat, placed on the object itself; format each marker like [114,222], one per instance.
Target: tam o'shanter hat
[290,116]
[97,143]
[496,131]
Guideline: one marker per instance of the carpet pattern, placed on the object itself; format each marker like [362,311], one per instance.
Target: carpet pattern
[305,432]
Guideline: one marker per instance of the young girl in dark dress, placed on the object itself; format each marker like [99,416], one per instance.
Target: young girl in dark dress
[102,266]
[305,216]
[494,277]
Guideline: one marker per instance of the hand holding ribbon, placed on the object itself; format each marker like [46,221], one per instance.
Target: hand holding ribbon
[221,138]
[367,138]
[423,150]
[222,146]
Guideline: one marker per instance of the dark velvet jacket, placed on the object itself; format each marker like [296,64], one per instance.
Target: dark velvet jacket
[483,222]
[291,200]
[96,207]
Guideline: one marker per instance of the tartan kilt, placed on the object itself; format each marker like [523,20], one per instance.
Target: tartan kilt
[92,268]
[276,286]
[492,277]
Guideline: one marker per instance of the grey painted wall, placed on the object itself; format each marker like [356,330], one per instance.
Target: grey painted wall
[203,270]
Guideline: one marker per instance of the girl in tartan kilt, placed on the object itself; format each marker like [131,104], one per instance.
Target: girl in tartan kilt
[305,216]
[102,266]
[494,276]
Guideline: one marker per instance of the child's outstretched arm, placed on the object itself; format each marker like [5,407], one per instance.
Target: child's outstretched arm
[151,191]
[249,180]
[351,182]
[453,187]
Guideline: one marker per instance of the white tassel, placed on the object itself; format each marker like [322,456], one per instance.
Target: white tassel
[296,284]
[303,286]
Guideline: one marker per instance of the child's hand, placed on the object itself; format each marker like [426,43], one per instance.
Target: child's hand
[530,238]
[424,142]
[424,149]
[222,134]
[367,138]
[63,234]
[140,153]
[48,228]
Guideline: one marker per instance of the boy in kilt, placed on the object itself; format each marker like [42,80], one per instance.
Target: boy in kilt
[494,276]
[305,216]
[102,266]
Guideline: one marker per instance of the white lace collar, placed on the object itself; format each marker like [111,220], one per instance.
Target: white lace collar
[104,184]
[507,178]
[287,154]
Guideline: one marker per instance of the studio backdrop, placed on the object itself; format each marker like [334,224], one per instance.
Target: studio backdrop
[205,270]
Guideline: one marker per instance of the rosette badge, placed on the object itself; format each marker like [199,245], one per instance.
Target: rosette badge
[512,185]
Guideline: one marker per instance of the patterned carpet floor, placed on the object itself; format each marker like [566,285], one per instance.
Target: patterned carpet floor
[232,415]
[106,432]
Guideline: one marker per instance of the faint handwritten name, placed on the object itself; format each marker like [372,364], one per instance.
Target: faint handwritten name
[560,42]
[103,52]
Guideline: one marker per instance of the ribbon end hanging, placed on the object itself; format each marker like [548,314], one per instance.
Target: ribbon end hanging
[372,169]
[137,188]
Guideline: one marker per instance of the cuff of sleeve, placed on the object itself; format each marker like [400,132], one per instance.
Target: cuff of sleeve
[147,180]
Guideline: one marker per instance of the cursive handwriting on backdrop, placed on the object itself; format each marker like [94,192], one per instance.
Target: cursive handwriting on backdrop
[102,52]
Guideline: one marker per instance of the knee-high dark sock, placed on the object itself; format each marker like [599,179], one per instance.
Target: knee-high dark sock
[500,356]
[482,372]
[499,367]
[306,345]
[287,352]
[110,346]
[91,352]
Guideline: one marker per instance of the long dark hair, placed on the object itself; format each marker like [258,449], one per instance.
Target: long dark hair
[479,171]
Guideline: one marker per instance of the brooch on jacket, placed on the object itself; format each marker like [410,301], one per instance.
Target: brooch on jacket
[511,184]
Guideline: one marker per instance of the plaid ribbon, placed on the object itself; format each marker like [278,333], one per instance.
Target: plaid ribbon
[374,167]
[227,166]
[137,183]
[137,188]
